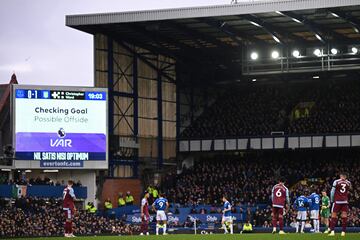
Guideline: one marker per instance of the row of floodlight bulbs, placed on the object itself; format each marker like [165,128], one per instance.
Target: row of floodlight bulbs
[296,53]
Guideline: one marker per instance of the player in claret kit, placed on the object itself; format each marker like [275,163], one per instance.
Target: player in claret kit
[161,205]
[314,208]
[69,208]
[145,216]
[339,197]
[227,218]
[279,197]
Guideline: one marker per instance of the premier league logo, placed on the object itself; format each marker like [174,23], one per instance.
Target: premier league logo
[61,133]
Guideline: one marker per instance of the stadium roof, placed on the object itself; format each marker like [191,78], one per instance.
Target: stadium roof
[218,33]
[253,18]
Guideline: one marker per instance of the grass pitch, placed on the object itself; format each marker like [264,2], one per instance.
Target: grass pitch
[255,236]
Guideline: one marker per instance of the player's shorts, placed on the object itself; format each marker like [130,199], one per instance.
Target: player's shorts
[340,207]
[314,214]
[301,216]
[325,213]
[69,213]
[277,211]
[227,219]
[160,215]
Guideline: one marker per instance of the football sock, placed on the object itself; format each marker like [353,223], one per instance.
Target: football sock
[225,228]
[142,227]
[70,227]
[344,223]
[314,225]
[274,222]
[66,227]
[318,225]
[297,226]
[281,223]
[333,223]
[231,228]
[164,228]
[302,226]
[157,228]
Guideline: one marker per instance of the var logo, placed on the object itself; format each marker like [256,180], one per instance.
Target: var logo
[61,142]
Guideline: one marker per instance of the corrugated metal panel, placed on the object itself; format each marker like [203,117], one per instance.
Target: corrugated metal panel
[208,11]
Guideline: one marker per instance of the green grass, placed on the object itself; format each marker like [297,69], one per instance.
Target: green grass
[268,236]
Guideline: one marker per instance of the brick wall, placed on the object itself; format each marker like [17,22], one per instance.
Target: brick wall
[112,187]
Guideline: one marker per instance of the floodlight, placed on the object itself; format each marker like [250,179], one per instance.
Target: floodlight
[254,56]
[296,53]
[275,54]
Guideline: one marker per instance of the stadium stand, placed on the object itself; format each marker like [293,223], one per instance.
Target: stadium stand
[44,217]
[294,108]
[37,181]
[197,192]
[157,61]
[238,176]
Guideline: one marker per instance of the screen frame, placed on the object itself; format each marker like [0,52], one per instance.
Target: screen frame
[35,164]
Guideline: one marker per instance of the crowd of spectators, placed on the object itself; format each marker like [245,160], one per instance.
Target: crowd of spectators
[40,217]
[331,107]
[249,177]
[37,181]
[336,110]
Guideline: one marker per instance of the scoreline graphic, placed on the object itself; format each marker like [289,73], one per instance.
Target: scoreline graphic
[60,127]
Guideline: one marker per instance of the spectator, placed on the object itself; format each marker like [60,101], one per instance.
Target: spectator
[129,199]
[266,224]
[90,208]
[247,228]
[121,201]
[155,193]
[107,204]
[78,183]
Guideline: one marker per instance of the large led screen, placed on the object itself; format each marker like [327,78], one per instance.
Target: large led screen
[60,127]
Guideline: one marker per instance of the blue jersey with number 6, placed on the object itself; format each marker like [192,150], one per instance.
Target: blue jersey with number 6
[160,204]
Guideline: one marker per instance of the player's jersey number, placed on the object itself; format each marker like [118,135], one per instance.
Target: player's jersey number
[301,203]
[317,200]
[278,193]
[343,188]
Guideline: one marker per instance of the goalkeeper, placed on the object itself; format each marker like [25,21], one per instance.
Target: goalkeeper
[325,211]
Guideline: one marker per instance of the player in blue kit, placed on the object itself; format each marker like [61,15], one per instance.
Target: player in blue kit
[227,218]
[300,205]
[314,208]
[161,206]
